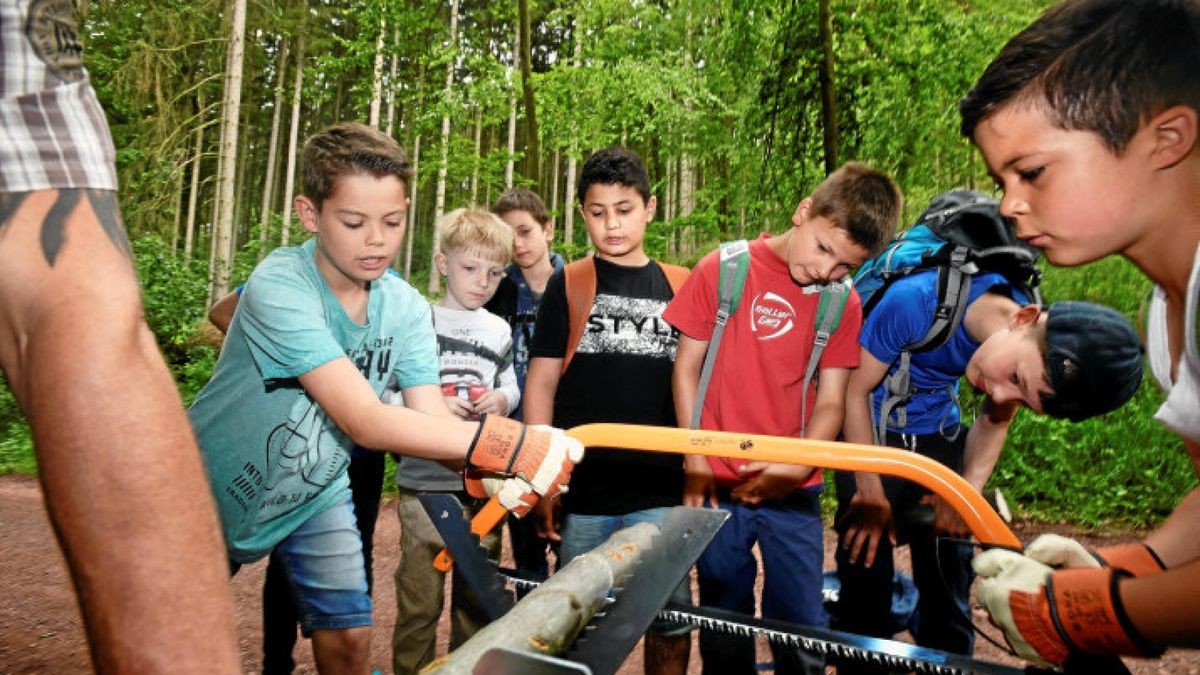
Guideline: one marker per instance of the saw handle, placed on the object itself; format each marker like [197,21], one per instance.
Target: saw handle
[485,520]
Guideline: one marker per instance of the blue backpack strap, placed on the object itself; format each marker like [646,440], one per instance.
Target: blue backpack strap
[734,265]
[829,315]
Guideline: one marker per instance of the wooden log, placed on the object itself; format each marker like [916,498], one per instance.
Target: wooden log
[548,619]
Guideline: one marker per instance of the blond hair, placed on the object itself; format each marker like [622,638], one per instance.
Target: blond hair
[474,229]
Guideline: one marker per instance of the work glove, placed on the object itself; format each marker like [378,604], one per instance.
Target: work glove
[1047,615]
[538,459]
[1137,559]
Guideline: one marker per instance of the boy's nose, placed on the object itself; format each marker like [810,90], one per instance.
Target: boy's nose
[1011,205]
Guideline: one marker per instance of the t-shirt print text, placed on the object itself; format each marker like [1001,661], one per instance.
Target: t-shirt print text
[628,326]
[771,316]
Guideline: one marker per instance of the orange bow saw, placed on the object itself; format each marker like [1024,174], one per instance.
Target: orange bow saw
[983,522]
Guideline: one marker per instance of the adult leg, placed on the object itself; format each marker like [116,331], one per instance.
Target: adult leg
[791,540]
[113,444]
[727,571]
[420,589]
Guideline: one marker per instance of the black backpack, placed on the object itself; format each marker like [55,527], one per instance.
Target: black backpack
[960,234]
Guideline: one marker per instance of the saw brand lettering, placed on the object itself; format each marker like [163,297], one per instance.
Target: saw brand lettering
[771,316]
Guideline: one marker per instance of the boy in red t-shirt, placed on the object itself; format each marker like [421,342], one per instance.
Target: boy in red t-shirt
[756,387]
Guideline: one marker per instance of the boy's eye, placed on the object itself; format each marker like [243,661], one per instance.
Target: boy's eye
[1030,175]
[1015,379]
[352,226]
[394,223]
[496,274]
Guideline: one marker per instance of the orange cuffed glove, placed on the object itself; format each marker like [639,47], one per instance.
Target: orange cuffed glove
[1047,615]
[536,460]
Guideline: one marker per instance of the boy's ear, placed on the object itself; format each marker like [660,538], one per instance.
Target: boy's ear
[440,261]
[802,210]
[548,228]
[307,212]
[1027,315]
[651,205]
[1174,132]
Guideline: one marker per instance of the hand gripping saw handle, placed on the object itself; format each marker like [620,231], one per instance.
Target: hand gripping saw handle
[974,510]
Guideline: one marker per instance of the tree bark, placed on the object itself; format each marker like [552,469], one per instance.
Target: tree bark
[828,90]
[391,83]
[532,151]
[289,176]
[223,231]
[264,215]
[569,204]
[548,619]
[439,204]
[189,232]
[478,149]
[377,78]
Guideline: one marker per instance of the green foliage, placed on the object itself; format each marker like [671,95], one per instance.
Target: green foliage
[16,445]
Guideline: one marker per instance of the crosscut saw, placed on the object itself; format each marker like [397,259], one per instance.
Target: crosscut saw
[986,526]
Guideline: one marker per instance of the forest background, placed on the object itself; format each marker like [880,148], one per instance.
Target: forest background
[738,106]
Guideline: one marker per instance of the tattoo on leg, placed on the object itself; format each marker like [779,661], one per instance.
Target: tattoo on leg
[9,203]
[104,203]
[54,227]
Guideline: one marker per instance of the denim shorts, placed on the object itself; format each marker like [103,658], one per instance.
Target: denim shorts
[582,533]
[323,560]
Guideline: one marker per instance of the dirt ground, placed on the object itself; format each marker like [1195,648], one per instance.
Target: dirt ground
[41,632]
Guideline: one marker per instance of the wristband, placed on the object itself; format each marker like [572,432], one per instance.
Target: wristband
[1137,559]
[499,439]
[1086,607]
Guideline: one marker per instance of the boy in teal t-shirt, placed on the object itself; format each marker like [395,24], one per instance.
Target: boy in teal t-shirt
[320,331]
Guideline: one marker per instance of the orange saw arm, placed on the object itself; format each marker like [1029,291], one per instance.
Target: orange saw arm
[983,522]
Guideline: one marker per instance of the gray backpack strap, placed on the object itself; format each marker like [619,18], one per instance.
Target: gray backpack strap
[829,315]
[734,261]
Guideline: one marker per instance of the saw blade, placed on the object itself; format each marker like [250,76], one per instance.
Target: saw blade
[684,535]
[890,654]
[470,557]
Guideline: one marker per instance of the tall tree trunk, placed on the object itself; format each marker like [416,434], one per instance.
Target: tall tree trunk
[512,110]
[828,90]
[391,83]
[289,176]
[439,203]
[554,182]
[532,153]
[178,213]
[264,215]
[189,231]
[478,149]
[223,233]
[572,150]
[414,183]
[377,78]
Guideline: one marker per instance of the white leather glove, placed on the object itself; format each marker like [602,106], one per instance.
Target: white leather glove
[1060,552]
[1002,572]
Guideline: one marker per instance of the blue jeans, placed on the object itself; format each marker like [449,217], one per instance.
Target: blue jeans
[582,533]
[789,534]
[323,561]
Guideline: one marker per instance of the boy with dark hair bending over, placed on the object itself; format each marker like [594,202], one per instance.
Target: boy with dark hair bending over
[757,383]
[1075,360]
[1087,120]
[319,333]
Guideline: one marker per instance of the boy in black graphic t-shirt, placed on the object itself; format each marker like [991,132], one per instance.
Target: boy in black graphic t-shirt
[619,372]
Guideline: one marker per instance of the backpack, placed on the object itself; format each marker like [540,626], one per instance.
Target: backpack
[734,265]
[580,280]
[960,234]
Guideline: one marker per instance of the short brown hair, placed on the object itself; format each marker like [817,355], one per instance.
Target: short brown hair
[861,200]
[475,229]
[522,199]
[349,148]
